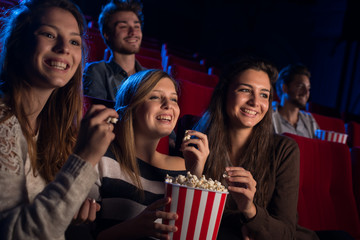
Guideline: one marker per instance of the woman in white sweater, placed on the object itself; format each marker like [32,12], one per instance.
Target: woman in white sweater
[45,174]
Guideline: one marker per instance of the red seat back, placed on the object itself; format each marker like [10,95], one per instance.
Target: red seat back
[148,52]
[353,130]
[194,98]
[355,158]
[95,44]
[326,199]
[184,73]
[192,64]
[330,123]
[149,62]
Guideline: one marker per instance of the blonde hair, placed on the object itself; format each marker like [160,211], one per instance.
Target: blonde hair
[129,97]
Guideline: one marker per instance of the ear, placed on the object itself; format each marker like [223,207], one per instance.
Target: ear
[106,36]
[284,88]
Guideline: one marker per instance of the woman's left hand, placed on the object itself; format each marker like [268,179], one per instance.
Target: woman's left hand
[87,212]
[195,151]
[242,186]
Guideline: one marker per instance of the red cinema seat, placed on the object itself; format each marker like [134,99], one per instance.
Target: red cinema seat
[163,146]
[355,158]
[148,62]
[148,52]
[95,44]
[194,98]
[330,123]
[353,130]
[192,64]
[326,198]
[184,73]
[322,110]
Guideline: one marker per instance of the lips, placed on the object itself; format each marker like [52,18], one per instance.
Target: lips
[248,111]
[164,118]
[61,65]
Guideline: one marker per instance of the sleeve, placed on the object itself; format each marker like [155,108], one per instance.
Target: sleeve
[94,81]
[52,210]
[278,220]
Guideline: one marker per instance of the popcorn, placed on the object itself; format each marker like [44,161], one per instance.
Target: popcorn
[187,136]
[112,120]
[193,181]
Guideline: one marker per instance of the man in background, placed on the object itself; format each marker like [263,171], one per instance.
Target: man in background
[120,24]
[293,89]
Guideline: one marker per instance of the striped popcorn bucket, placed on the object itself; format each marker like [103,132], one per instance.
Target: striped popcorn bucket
[331,136]
[199,211]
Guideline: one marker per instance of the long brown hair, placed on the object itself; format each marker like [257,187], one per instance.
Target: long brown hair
[60,117]
[130,96]
[215,124]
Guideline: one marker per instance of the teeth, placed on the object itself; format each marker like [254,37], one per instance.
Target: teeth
[249,111]
[168,118]
[58,65]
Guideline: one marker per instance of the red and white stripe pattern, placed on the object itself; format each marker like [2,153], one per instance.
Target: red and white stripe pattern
[331,136]
[199,212]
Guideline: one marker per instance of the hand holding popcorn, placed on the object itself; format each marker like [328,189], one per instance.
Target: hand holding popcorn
[195,148]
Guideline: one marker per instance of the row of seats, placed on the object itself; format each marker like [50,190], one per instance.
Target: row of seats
[326,191]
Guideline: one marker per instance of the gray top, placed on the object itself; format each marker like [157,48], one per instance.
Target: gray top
[102,79]
[306,125]
[49,213]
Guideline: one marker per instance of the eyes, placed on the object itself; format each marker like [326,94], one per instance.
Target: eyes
[126,26]
[160,98]
[75,41]
[250,91]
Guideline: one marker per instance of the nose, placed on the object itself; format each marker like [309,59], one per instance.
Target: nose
[131,31]
[165,103]
[253,100]
[62,46]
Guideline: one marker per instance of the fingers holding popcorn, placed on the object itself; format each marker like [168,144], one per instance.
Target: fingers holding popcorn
[95,133]
[195,148]
[242,186]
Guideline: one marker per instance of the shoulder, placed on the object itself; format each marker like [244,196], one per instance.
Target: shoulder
[285,145]
[174,162]
[306,115]
[95,66]
[13,145]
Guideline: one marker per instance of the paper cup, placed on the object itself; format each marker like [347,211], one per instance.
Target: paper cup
[331,136]
[199,211]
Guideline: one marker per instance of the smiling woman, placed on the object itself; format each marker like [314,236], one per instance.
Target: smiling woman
[45,173]
[132,174]
[262,167]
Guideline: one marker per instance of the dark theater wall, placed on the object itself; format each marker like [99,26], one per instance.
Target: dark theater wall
[323,34]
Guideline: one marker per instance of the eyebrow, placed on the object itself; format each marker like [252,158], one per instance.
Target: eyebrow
[52,26]
[124,21]
[248,85]
[173,93]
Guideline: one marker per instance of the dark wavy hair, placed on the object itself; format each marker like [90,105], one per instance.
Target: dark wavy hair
[61,115]
[215,123]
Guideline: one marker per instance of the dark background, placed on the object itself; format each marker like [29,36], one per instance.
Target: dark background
[322,34]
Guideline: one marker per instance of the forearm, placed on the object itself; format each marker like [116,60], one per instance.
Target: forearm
[48,216]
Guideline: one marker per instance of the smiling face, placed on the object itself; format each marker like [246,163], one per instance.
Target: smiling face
[57,52]
[248,99]
[126,32]
[157,115]
[298,90]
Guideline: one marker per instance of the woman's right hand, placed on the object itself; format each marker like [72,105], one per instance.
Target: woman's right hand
[145,225]
[95,133]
